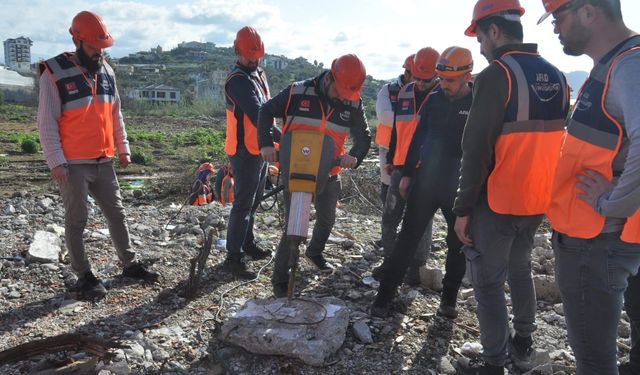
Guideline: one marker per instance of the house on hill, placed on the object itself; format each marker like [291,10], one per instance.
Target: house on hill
[156,93]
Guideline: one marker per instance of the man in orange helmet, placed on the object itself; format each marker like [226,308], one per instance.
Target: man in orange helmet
[432,169]
[595,206]
[411,98]
[329,103]
[80,126]
[246,89]
[510,146]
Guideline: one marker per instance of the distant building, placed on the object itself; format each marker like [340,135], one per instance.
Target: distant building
[275,62]
[156,93]
[16,88]
[197,46]
[17,54]
[211,87]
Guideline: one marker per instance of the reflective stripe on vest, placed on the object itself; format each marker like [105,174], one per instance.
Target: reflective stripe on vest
[407,117]
[383,131]
[249,130]
[305,111]
[86,121]
[528,149]
[592,142]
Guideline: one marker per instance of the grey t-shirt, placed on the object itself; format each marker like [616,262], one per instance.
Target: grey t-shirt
[623,103]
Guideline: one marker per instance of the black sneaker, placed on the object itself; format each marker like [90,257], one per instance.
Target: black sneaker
[477,366]
[321,263]
[90,287]
[447,311]
[239,268]
[280,290]
[412,277]
[137,271]
[382,304]
[255,252]
[520,348]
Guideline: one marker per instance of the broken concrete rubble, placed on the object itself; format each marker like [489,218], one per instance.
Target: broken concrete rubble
[308,329]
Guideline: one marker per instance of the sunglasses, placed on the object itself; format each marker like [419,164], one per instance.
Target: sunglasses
[566,7]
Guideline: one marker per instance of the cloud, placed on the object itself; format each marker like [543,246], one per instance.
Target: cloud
[341,37]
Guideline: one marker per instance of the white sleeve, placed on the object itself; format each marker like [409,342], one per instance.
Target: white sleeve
[384,112]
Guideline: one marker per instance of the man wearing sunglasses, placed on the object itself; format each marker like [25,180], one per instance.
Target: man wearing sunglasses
[596,190]
[410,100]
[511,145]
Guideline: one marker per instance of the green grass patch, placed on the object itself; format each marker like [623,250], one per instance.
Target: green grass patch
[17,112]
[181,110]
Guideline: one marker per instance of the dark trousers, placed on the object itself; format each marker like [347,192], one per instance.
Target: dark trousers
[249,173]
[632,307]
[325,205]
[427,196]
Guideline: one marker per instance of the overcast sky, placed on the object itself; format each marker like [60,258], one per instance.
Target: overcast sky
[381,32]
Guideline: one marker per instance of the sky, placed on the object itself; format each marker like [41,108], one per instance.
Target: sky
[381,32]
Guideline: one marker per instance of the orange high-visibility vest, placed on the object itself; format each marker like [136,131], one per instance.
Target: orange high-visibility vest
[383,131]
[235,116]
[305,111]
[226,191]
[528,149]
[592,141]
[86,123]
[406,120]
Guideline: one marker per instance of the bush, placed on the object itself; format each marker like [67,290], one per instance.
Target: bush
[29,146]
[138,156]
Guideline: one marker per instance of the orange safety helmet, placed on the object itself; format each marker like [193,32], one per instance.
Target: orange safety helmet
[248,43]
[89,28]
[424,63]
[408,62]
[551,6]
[349,74]
[454,62]
[486,8]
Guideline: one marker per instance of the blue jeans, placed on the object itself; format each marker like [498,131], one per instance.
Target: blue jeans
[592,277]
[249,174]
[501,252]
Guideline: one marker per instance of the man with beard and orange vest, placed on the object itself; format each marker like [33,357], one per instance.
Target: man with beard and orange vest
[329,103]
[595,202]
[246,89]
[385,110]
[411,97]
[511,145]
[80,126]
[430,179]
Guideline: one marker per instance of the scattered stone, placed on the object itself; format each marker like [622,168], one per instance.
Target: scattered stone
[362,332]
[45,247]
[282,327]
[269,220]
[445,367]
[546,289]
[431,278]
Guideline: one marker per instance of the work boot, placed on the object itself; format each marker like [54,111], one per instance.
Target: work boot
[280,290]
[90,287]
[447,311]
[520,348]
[477,366]
[255,252]
[238,268]
[412,277]
[382,304]
[137,271]
[320,262]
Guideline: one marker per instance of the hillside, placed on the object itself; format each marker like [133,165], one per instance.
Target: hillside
[190,63]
